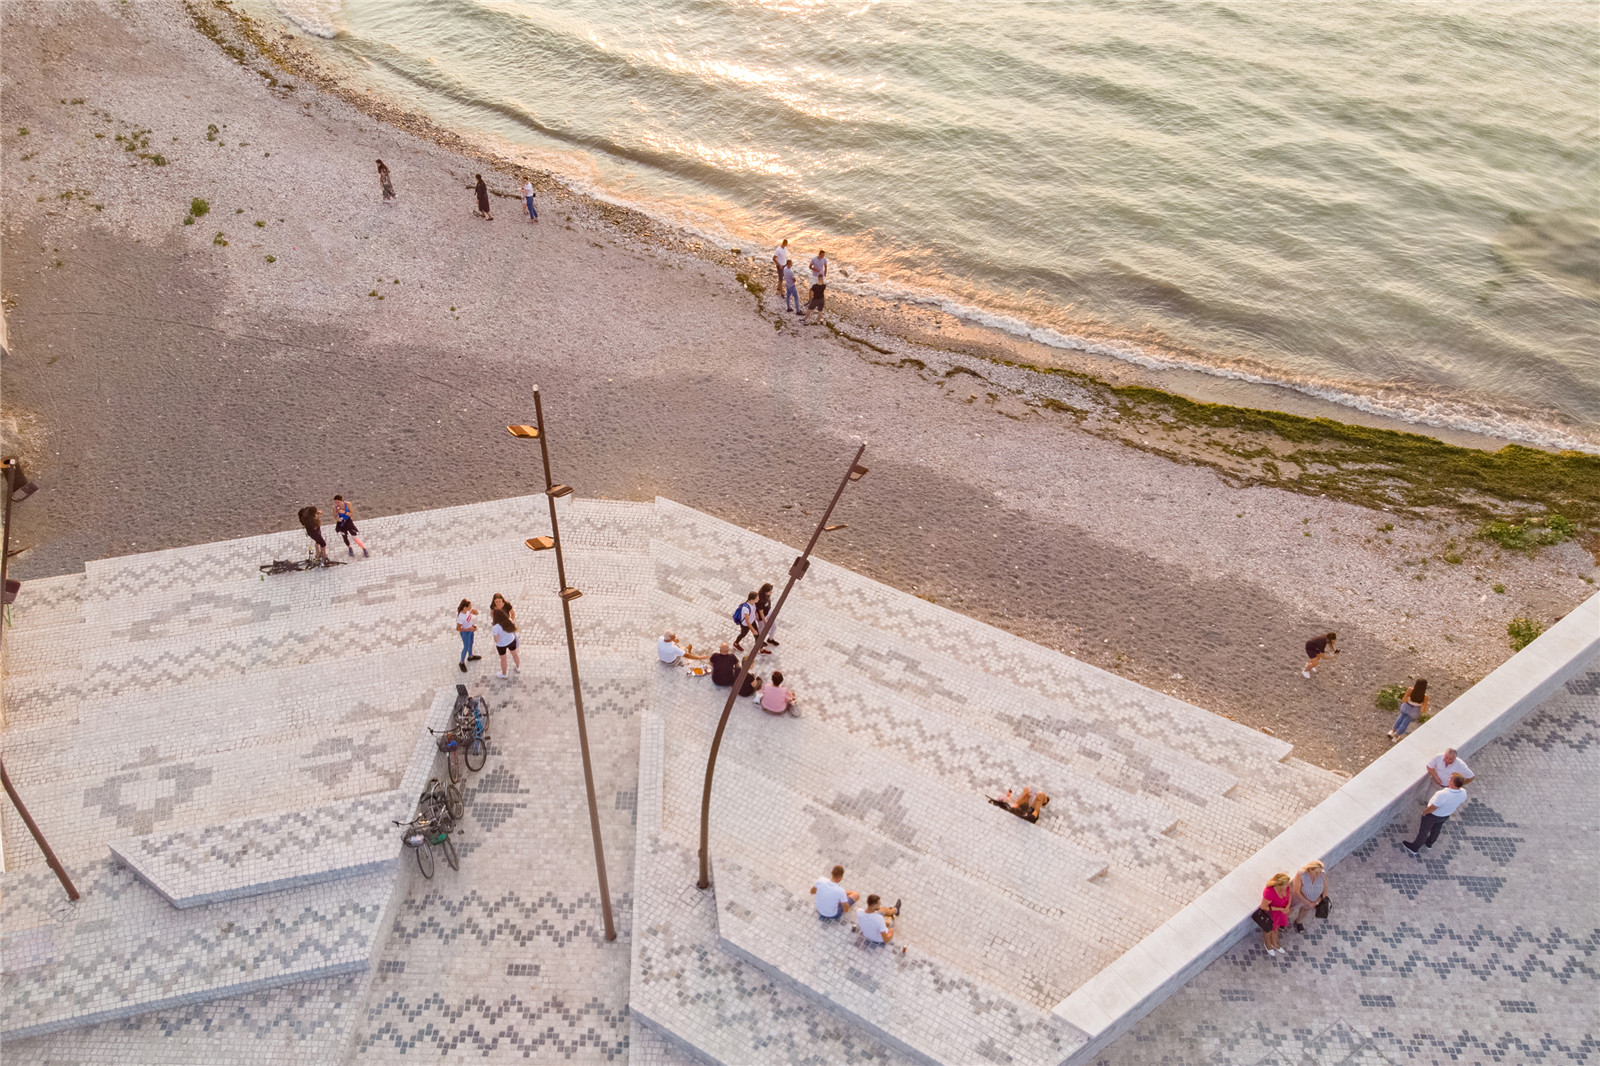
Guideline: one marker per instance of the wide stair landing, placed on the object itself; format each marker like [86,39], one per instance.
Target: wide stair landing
[219,765]
[911,716]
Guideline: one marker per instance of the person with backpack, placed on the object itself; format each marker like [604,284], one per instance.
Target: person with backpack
[744,616]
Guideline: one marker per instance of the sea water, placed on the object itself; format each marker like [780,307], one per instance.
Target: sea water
[1391,206]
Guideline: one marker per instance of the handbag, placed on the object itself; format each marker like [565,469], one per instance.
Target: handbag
[1263,918]
[1324,905]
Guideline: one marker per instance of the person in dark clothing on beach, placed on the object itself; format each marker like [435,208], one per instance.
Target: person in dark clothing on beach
[483,199]
[819,285]
[1318,649]
[388,186]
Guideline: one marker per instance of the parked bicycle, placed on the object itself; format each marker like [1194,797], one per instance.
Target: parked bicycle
[465,745]
[438,810]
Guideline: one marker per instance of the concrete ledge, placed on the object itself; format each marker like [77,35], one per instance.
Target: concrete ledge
[1115,999]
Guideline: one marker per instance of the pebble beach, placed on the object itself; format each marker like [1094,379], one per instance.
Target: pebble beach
[177,374]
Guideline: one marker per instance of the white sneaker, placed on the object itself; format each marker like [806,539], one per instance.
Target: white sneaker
[1272,951]
[516,669]
[502,677]
[1306,674]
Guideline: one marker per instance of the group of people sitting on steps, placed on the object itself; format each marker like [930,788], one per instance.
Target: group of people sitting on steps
[1027,806]
[875,922]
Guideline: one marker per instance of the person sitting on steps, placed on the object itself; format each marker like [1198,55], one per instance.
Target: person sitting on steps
[876,923]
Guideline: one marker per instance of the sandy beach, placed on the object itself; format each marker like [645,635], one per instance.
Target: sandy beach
[172,383]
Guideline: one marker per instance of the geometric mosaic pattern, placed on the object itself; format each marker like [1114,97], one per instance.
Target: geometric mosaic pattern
[1486,951]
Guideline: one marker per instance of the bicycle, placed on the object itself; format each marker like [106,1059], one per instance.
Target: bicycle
[471,723]
[290,566]
[431,826]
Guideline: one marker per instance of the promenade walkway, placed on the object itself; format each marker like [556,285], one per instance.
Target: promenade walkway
[218,767]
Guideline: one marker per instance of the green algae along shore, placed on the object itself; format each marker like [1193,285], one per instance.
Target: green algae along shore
[172,383]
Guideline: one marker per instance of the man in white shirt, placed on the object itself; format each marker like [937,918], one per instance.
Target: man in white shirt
[877,923]
[780,259]
[1444,803]
[1440,767]
[833,899]
[669,651]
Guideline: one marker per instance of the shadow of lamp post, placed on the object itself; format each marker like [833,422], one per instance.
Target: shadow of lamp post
[567,594]
[17,489]
[797,570]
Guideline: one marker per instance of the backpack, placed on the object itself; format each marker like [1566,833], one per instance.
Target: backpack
[741,613]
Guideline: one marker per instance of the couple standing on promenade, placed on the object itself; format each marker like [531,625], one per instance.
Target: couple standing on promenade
[819,281]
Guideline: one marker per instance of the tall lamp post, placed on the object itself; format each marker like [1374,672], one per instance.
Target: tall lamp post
[17,489]
[553,492]
[797,570]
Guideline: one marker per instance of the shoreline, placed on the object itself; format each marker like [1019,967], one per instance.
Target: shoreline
[174,383]
[925,318]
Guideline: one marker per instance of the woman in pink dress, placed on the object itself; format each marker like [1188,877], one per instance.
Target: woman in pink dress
[1275,900]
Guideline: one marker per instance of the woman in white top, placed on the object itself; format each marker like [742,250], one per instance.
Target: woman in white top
[505,640]
[1308,888]
[467,626]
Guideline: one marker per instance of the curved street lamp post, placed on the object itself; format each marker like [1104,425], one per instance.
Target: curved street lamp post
[567,594]
[797,570]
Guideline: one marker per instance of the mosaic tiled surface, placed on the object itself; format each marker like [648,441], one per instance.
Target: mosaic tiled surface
[911,716]
[222,698]
[1485,951]
[253,856]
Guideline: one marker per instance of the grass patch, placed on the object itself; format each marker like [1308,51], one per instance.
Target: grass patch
[1530,534]
[1523,631]
[1389,697]
[219,240]
[751,285]
[272,259]
[1501,589]
[198,207]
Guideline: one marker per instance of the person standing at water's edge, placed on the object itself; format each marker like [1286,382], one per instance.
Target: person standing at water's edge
[482,191]
[791,297]
[388,186]
[819,285]
[780,259]
[527,198]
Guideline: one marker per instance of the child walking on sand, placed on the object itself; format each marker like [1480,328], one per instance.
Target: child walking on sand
[345,525]
[1318,649]
[388,186]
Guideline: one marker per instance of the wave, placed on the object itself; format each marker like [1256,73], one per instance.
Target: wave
[315,17]
[1388,401]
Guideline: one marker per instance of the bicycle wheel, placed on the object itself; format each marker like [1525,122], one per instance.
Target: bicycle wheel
[477,754]
[425,860]
[454,762]
[450,854]
[481,705]
[453,804]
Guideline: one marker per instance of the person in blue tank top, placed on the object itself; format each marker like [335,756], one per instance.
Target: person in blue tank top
[345,525]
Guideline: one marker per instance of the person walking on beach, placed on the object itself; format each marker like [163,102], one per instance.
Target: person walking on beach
[482,192]
[527,198]
[1444,803]
[1318,649]
[388,186]
[819,285]
[791,296]
[311,519]
[1275,901]
[345,525]
[1308,891]
[467,626]
[505,640]
[780,259]
[1412,707]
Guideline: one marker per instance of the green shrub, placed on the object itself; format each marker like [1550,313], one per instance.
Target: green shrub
[1523,631]
[1529,534]
[1389,697]
[188,220]
[219,240]
[198,207]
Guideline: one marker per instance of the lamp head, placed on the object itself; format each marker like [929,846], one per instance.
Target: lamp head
[857,472]
[540,544]
[525,432]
